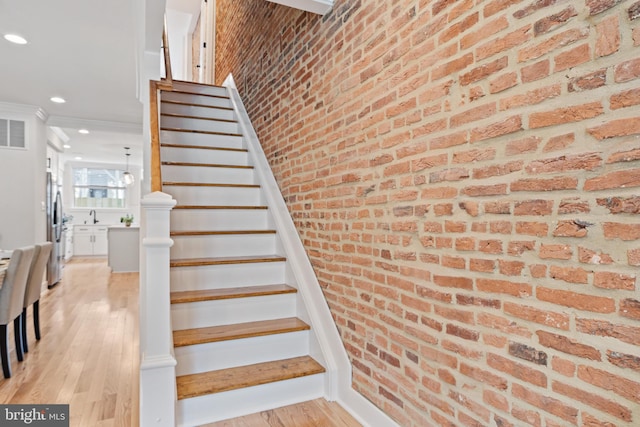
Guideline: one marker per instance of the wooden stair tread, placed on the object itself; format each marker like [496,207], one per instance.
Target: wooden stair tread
[218,207]
[194,104]
[219,232]
[246,376]
[189,82]
[204,147]
[195,262]
[230,293]
[209,184]
[196,93]
[207,132]
[206,165]
[237,331]
[186,116]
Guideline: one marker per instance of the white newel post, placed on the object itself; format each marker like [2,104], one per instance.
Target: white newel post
[157,364]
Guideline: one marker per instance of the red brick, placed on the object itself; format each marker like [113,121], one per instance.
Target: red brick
[497,400]
[573,206]
[623,360]
[621,386]
[555,252]
[534,96]
[452,66]
[614,230]
[608,31]
[546,184]
[567,345]
[576,300]
[625,99]
[599,6]
[537,71]
[591,421]
[630,308]
[491,28]
[504,43]
[614,128]
[588,256]
[551,22]
[569,274]
[532,228]
[572,58]
[504,287]
[563,366]
[573,228]
[503,82]
[611,280]
[509,125]
[522,146]
[547,404]
[559,142]
[603,328]
[483,376]
[562,39]
[591,81]
[627,70]
[593,400]
[565,115]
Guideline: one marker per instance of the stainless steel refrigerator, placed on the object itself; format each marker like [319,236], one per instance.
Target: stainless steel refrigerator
[55,232]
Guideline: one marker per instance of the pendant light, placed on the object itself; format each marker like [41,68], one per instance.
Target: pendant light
[128,176]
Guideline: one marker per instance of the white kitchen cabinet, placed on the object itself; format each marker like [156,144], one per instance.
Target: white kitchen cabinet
[124,249]
[90,240]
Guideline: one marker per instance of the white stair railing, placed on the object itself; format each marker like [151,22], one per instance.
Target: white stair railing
[157,362]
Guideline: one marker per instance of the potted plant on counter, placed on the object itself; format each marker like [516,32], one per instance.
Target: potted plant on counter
[127,220]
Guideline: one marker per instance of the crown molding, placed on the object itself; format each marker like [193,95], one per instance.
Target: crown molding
[95,125]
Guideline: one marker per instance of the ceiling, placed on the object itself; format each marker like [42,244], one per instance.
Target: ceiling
[83,51]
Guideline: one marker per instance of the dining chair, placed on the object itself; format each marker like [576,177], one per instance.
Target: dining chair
[34,288]
[11,301]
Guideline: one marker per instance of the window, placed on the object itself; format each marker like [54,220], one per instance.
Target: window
[98,188]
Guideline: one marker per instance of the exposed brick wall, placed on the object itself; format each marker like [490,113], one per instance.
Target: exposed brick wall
[465,176]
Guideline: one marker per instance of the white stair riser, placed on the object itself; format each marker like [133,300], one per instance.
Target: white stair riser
[201,139]
[194,359]
[196,99]
[218,219]
[226,276]
[196,88]
[234,310]
[198,124]
[227,196]
[195,110]
[223,245]
[203,155]
[236,403]
[207,174]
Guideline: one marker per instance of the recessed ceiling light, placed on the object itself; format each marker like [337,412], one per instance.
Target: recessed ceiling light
[66,146]
[14,38]
[78,158]
[83,131]
[58,100]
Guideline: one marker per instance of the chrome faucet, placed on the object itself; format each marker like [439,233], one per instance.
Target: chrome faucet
[93,211]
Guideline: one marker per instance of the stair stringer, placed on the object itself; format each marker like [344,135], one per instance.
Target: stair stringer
[327,347]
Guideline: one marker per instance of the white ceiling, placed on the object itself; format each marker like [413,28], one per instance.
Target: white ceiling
[83,51]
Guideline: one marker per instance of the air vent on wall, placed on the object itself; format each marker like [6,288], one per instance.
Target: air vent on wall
[12,133]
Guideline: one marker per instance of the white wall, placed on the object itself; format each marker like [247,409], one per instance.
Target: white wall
[23,181]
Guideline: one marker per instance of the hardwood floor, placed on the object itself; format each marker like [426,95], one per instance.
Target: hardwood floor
[88,357]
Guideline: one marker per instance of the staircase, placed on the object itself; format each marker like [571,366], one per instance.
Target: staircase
[242,335]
